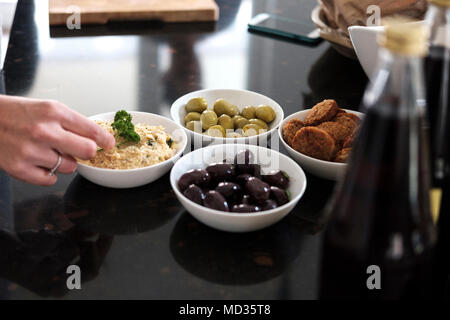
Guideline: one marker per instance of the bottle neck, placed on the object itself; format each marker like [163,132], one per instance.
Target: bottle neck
[438,21]
[397,83]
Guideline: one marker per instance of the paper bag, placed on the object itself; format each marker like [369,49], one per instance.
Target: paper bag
[341,14]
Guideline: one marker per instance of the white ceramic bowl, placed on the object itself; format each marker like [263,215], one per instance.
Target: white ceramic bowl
[239,222]
[136,177]
[240,98]
[364,40]
[323,169]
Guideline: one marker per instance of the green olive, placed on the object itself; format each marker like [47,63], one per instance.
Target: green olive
[216,131]
[233,111]
[251,130]
[192,116]
[265,113]
[249,112]
[208,119]
[239,131]
[195,126]
[196,105]
[240,122]
[226,121]
[259,123]
[233,135]
[221,106]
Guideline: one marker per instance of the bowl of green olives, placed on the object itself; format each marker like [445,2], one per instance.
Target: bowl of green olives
[227,115]
[237,187]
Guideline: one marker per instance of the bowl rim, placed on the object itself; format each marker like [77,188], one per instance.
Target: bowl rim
[244,214]
[225,139]
[290,149]
[156,165]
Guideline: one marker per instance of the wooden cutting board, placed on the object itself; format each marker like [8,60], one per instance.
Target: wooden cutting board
[103,11]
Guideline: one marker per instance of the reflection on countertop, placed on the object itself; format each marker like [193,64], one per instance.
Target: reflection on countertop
[45,242]
[120,211]
[234,259]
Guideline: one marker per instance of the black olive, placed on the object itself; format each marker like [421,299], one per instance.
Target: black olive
[278,179]
[268,205]
[279,195]
[214,200]
[258,190]
[221,172]
[256,171]
[245,208]
[194,193]
[242,179]
[231,191]
[246,199]
[243,161]
[196,176]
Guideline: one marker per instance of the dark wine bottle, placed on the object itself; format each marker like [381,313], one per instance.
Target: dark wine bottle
[437,71]
[441,266]
[380,236]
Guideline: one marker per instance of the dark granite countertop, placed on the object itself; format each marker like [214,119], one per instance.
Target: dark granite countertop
[141,243]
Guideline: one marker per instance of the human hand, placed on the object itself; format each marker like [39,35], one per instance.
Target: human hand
[33,133]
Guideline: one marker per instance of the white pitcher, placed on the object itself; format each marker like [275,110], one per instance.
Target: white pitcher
[364,40]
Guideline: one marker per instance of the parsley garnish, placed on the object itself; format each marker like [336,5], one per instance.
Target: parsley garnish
[124,127]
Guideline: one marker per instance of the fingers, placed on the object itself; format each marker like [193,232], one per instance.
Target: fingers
[49,159]
[68,164]
[69,132]
[41,176]
[52,135]
[85,127]
[36,175]
[71,144]
[36,169]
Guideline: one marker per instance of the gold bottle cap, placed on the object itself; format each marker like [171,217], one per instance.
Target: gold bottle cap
[404,36]
[442,3]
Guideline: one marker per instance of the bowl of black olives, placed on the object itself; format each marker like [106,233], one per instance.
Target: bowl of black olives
[237,187]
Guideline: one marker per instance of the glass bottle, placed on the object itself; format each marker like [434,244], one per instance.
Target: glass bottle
[380,236]
[441,263]
[437,71]
[437,67]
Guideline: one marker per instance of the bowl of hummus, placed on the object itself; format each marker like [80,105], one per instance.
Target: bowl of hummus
[147,146]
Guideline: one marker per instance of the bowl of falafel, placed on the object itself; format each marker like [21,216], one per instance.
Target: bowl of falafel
[320,139]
